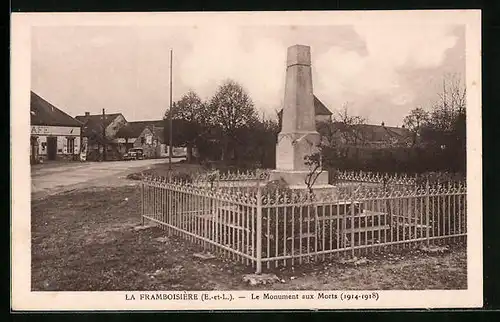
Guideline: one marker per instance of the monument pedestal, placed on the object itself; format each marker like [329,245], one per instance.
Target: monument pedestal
[297,177]
[296,180]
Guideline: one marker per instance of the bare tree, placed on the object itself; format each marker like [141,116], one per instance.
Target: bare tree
[450,104]
[343,131]
[348,126]
[314,163]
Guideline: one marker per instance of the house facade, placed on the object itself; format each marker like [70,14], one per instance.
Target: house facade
[127,135]
[151,140]
[54,134]
[134,134]
[99,131]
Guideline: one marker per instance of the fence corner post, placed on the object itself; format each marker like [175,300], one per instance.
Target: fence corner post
[259,230]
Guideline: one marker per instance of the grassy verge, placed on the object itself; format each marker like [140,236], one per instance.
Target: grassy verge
[163,169]
[85,241]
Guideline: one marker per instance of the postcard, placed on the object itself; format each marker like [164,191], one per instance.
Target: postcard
[246,160]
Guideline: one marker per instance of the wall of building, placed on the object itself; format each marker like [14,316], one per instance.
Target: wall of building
[42,133]
[115,126]
[149,143]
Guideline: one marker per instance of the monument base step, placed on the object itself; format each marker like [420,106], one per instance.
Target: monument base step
[297,178]
[315,188]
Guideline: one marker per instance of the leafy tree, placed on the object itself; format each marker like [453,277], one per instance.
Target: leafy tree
[415,121]
[261,143]
[190,120]
[231,110]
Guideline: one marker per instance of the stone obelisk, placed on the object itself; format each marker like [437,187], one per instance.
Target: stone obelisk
[298,137]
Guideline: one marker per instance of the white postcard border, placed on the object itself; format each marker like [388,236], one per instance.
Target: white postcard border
[22,298]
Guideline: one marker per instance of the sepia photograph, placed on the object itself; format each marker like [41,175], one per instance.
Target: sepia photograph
[247,160]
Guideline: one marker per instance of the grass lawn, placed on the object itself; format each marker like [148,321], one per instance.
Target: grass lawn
[163,169]
[85,241]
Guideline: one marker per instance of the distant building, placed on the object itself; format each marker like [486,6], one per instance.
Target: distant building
[384,136]
[133,133]
[367,135]
[151,140]
[323,114]
[99,131]
[54,134]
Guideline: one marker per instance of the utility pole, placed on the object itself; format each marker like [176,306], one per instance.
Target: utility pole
[170,148]
[103,135]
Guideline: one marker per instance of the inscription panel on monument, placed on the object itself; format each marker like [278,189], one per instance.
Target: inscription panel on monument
[284,153]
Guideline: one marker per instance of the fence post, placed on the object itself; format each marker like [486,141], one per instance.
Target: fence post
[427,191]
[142,202]
[259,230]
[352,226]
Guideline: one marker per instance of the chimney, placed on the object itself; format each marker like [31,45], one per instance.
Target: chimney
[87,113]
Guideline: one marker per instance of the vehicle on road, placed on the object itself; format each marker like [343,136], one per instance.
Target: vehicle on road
[134,154]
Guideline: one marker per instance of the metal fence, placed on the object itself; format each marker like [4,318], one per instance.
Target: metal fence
[266,228]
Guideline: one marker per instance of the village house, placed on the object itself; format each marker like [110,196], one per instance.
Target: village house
[100,130]
[147,135]
[127,135]
[54,134]
[371,135]
[151,140]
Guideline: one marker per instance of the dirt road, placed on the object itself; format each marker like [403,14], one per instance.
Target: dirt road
[49,179]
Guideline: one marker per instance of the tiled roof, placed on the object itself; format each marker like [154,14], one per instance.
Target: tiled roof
[134,129]
[93,124]
[382,133]
[377,133]
[44,113]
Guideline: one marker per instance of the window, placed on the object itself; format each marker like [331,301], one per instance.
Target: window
[143,140]
[70,145]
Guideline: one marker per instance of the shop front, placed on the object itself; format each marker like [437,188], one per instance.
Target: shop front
[51,143]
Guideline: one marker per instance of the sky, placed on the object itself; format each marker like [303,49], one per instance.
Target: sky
[380,71]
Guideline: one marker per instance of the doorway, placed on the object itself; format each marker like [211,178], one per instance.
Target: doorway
[34,149]
[51,147]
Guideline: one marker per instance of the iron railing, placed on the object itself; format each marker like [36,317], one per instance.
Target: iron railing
[242,219]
